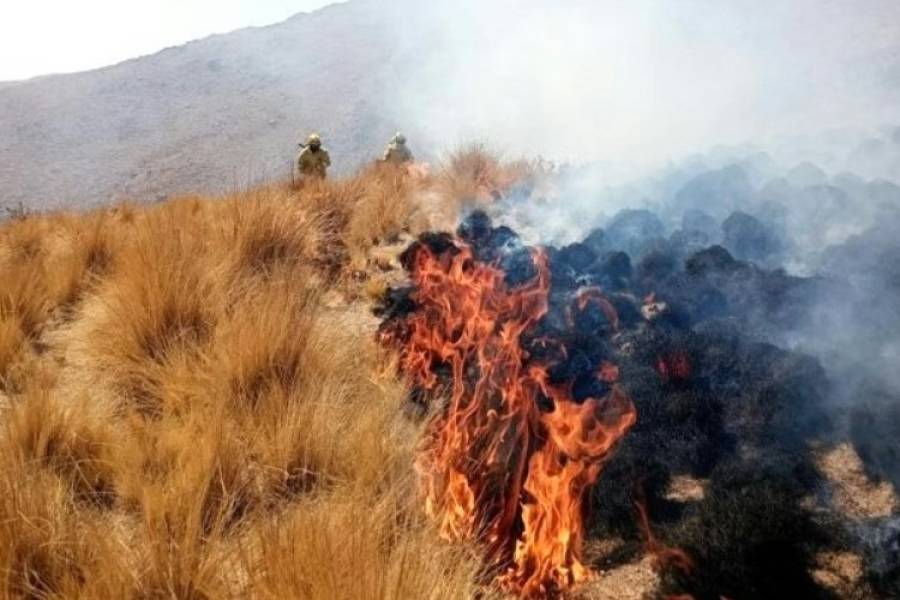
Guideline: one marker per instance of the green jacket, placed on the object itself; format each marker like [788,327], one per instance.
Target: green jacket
[397,154]
[313,163]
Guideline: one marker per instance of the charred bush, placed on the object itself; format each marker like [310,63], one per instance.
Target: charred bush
[773,398]
[695,221]
[518,267]
[881,548]
[763,302]
[475,229]
[720,191]
[597,241]
[681,337]
[874,431]
[749,536]
[748,238]
[613,270]
[714,259]
[686,242]
[436,243]
[395,303]
[490,244]
[578,256]
[632,230]
[656,266]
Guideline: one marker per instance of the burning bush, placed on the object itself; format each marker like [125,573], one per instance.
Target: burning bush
[515,427]
[543,367]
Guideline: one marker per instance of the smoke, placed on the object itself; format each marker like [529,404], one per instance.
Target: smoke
[772,130]
[638,84]
[637,100]
[733,161]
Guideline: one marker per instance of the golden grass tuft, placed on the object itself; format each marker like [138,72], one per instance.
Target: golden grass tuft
[137,329]
[40,554]
[41,431]
[271,233]
[476,173]
[12,337]
[192,407]
[25,297]
[345,546]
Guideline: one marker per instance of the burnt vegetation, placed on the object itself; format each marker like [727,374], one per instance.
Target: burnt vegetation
[691,331]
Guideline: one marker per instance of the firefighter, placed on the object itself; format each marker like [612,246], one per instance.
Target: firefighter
[397,153]
[313,160]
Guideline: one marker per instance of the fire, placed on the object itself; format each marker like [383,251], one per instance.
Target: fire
[507,459]
[675,367]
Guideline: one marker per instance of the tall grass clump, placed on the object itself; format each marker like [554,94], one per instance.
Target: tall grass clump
[193,406]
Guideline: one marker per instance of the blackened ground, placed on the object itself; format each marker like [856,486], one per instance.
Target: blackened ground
[867,321]
[713,401]
[741,419]
[881,544]
[750,536]
[874,430]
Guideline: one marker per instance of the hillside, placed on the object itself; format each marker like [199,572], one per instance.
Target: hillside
[467,377]
[224,112]
[191,399]
[213,115]
[194,403]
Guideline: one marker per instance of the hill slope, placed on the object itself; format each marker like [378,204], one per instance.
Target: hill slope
[193,405]
[227,111]
[138,475]
[212,115]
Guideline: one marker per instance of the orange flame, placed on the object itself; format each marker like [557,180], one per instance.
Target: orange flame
[494,467]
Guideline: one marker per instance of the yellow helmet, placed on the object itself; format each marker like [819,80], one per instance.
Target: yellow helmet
[314,139]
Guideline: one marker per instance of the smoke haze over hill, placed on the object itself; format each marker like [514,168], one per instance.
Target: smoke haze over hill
[629,86]
[649,82]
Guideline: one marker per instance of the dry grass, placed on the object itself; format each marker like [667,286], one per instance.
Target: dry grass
[854,493]
[186,411]
[475,173]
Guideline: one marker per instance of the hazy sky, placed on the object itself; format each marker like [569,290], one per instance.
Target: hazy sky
[645,81]
[38,37]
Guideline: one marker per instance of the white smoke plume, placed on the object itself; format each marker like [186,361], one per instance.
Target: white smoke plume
[786,111]
[637,84]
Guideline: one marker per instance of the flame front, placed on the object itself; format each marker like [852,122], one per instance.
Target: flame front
[507,459]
